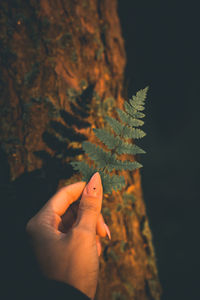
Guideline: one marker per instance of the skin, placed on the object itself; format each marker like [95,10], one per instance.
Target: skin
[65,235]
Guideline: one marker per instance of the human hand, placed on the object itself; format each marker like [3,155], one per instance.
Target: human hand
[67,251]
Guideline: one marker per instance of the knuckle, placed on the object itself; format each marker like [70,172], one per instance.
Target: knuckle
[91,207]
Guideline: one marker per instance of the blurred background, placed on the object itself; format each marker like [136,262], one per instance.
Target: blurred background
[163,48]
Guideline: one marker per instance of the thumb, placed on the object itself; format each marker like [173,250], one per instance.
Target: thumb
[90,204]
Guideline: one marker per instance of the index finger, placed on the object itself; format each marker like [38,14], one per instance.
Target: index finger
[60,202]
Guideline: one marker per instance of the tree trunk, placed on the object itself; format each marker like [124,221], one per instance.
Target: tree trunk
[62,66]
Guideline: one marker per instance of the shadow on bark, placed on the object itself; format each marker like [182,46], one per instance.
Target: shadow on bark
[22,198]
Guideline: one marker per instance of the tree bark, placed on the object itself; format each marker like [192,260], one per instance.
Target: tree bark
[62,70]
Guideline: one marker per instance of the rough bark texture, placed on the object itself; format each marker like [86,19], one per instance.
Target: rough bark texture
[62,65]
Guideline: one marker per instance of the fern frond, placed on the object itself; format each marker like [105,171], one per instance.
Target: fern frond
[138,101]
[115,125]
[101,157]
[124,165]
[84,168]
[107,138]
[128,132]
[114,182]
[133,133]
[107,161]
[133,112]
[127,148]
[128,119]
[116,142]
[108,182]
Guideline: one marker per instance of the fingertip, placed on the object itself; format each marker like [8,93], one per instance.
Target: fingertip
[65,196]
[79,183]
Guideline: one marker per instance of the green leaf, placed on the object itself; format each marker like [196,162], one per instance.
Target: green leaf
[127,148]
[112,141]
[107,161]
[115,125]
[128,119]
[138,101]
[134,133]
[109,182]
[124,165]
[133,112]
[106,137]
[101,157]
[84,168]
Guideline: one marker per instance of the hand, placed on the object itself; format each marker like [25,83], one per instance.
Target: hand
[68,248]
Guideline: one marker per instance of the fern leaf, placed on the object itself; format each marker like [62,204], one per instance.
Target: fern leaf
[111,142]
[127,148]
[114,182]
[133,133]
[84,168]
[128,119]
[107,138]
[105,159]
[138,101]
[108,161]
[108,182]
[124,165]
[128,132]
[133,112]
[115,125]
[138,107]
[100,156]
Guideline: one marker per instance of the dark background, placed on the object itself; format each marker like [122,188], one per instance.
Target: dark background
[162,46]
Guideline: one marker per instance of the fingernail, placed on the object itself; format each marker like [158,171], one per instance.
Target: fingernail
[108,231]
[93,188]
